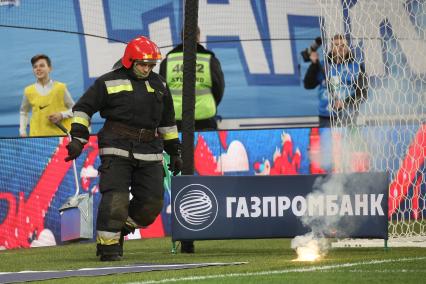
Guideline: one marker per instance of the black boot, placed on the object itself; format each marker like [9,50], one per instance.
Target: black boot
[187,247]
[109,253]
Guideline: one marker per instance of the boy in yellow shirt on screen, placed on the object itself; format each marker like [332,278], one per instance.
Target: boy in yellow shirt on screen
[48,101]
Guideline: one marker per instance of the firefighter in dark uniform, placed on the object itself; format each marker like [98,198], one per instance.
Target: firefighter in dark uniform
[139,123]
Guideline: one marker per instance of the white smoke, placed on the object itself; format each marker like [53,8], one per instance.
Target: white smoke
[315,242]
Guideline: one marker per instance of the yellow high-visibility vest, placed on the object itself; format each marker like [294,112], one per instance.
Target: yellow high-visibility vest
[43,106]
[205,105]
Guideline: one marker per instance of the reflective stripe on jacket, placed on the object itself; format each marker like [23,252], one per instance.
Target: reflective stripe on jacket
[138,103]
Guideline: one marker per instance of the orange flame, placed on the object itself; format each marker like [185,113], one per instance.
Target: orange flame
[309,252]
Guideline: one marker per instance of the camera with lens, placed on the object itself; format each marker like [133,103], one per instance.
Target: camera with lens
[313,47]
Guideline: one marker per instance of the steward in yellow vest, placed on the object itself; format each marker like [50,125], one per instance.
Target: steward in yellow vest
[209,86]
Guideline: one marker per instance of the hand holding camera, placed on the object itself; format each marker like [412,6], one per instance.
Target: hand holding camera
[306,54]
[314,57]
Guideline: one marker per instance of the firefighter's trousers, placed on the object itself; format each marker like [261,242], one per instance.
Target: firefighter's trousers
[120,176]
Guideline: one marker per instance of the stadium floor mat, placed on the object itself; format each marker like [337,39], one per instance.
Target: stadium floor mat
[14,277]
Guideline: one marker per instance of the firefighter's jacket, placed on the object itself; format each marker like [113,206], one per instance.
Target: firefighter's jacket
[121,97]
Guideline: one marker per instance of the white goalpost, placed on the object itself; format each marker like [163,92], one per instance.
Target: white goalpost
[384,130]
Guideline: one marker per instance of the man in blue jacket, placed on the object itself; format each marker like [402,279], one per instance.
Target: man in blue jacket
[342,84]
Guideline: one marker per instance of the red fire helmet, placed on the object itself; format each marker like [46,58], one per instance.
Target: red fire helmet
[141,49]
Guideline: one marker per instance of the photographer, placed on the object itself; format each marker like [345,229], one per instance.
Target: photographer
[346,89]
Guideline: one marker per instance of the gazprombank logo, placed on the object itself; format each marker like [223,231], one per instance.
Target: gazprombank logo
[195,207]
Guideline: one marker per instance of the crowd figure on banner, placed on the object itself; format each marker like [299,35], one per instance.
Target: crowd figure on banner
[341,81]
[48,101]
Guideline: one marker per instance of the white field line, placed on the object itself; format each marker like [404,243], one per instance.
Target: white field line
[382,271]
[273,272]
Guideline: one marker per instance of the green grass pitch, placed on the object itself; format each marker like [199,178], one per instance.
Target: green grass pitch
[268,261]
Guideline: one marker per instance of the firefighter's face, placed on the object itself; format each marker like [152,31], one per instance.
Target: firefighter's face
[144,68]
[41,69]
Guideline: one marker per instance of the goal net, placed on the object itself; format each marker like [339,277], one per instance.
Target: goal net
[377,94]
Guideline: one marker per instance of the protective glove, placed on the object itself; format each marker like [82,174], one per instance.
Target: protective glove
[176,164]
[74,149]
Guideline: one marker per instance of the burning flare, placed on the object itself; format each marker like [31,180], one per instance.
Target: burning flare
[309,252]
[309,248]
